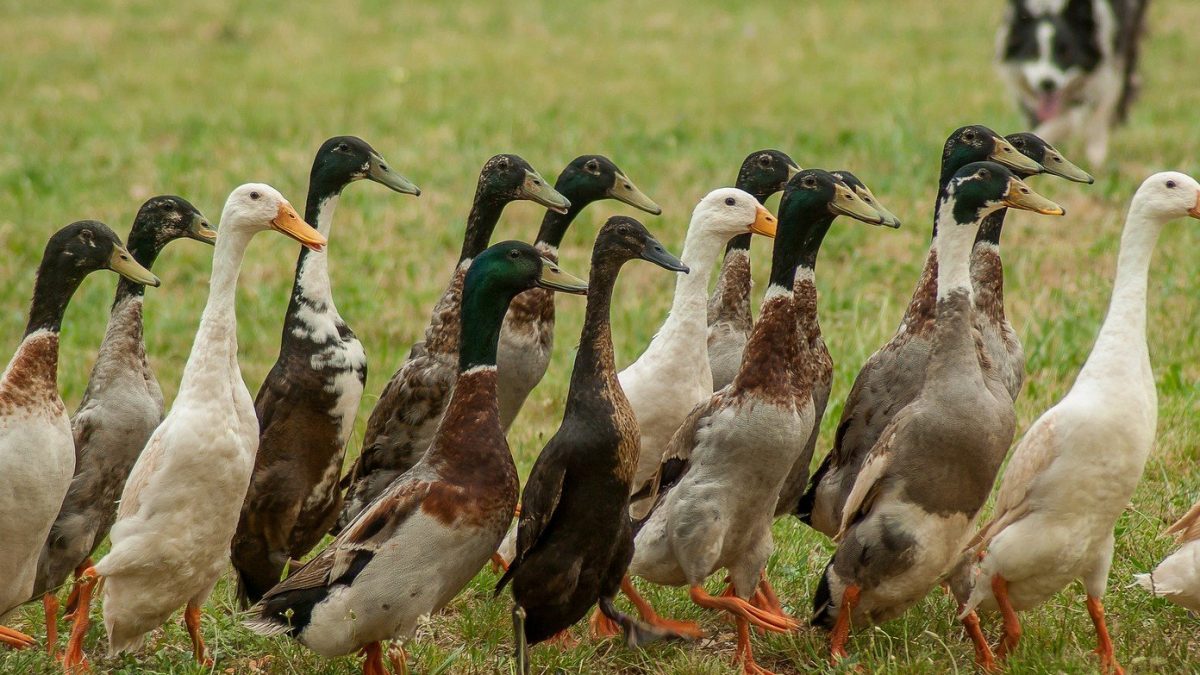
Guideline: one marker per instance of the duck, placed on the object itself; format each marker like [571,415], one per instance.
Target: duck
[307,404]
[716,488]
[37,451]
[922,485]
[987,269]
[762,174]
[574,539]
[121,407]
[180,505]
[412,550]
[1073,473]
[892,376]
[797,479]
[406,416]
[527,337]
[673,375]
[1177,577]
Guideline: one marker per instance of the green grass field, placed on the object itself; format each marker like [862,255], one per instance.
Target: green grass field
[105,104]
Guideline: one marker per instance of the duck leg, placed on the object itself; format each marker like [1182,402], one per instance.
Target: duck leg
[74,657]
[372,659]
[521,649]
[841,627]
[50,605]
[73,598]
[191,619]
[398,657]
[744,655]
[685,629]
[15,638]
[770,601]
[1012,625]
[983,652]
[1108,659]
[499,564]
[739,608]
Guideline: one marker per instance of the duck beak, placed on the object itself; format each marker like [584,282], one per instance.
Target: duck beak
[555,279]
[889,219]
[1004,153]
[1057,165]
[536,189]
[1021,196]
[846,203]
[655,252]
[287,221]
[200,230]
[764,223]
[123,263]
[623,190]
[379,171]
[1195,210]
[792,171]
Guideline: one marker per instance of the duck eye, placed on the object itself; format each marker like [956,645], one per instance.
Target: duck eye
[765,160]
[254,195]
[503,163]
[593,166]
[809,182]
[730,201]
[623,230]
[1171,184]
[970,135]
[514,254]
[342,147]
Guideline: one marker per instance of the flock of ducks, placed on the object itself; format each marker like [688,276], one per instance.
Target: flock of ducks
[670,470]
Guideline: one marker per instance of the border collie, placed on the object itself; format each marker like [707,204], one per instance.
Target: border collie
[1071,64]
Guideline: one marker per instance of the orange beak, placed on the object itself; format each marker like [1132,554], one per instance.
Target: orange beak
[290,223]
[764,223]
[1195,210]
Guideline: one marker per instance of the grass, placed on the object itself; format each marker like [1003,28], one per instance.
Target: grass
[106,104]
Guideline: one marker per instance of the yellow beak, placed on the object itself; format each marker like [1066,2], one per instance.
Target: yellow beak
[764,223]
[289,222]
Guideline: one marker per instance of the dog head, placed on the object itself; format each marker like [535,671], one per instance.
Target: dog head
[1048,48]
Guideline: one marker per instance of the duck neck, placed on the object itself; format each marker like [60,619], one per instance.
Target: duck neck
[1121,345]
[485,213]
[215,345]
[52,290]
[555,224]
[311,285]
[953,247]
[483,311]
[987,268]
[689,306]
[144,250]
[594,362]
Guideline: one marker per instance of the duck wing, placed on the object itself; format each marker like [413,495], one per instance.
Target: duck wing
[1187,528]
[676,460]
[539,502]
[1033,455]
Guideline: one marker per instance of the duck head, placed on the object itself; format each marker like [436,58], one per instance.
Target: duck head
[590,178]
[507,178]
[623,238]
[89,245]
[1034,147]
[977,143]
[729,212]
[255,207]
[765,172]
[1168,195]
[864,193]
[345,159]
[980,188]
[165,218]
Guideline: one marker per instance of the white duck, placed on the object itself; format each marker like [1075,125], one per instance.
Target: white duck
[1075,470]
[180,506]
[1177,578]
[37,452]
[673,375]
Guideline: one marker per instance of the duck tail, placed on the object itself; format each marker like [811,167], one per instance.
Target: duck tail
[824,608]
[268,626]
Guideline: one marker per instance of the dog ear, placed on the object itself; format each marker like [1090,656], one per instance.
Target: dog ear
[1081,15]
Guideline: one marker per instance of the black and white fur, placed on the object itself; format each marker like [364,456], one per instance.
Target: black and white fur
[1071,65]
